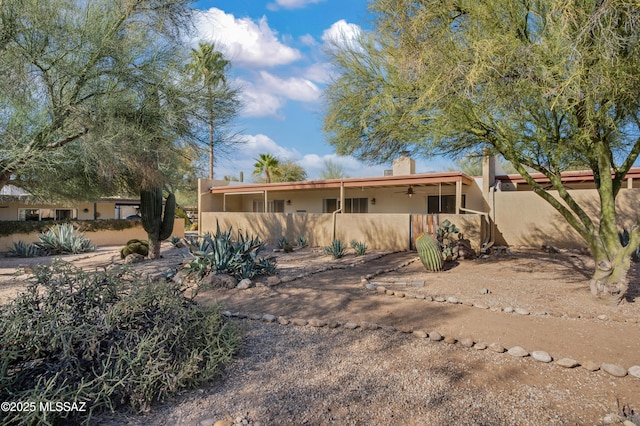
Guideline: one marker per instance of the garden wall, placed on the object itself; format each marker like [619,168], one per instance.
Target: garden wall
[379,232]
[98,238]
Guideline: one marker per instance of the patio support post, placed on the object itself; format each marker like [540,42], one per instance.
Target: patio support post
[341,196]
[265,201]
[629,183]
[458,195]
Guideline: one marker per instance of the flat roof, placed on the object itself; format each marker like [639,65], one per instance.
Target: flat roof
[423,179]
[580,176]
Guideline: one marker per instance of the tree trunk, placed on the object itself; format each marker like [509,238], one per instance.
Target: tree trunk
[154,248]
[609,281]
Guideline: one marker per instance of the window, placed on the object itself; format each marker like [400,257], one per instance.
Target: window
[47,214]
[356,205]
[274,206]
[442,204]
[351,205]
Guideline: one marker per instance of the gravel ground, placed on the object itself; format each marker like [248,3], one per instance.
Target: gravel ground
[289,375]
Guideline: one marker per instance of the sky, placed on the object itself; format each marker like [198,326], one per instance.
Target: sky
[276,53]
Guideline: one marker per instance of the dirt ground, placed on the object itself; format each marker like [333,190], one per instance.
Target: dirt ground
[561,316]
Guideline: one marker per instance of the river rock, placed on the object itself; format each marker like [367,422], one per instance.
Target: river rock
[541,356]
[350,325]
[497,348]
[508,310]
[567,363]
[590,365]
[635,371]
[244,284]
[453,300]
[435,336]
[369,326]
[315,322]
[268,318]
[299,321]
[518,351]
[467,342]
[613,369]
[420,333]
[521,311]
[450,340]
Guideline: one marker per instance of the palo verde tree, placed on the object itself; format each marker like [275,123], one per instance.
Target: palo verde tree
[551,85]
[76,79]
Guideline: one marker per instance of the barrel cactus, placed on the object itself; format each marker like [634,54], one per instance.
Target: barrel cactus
[158,226]
[136,246]
[429,252]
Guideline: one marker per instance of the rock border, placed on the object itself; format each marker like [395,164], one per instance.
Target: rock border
[541,356]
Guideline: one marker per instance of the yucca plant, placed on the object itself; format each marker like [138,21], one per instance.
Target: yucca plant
[336,249]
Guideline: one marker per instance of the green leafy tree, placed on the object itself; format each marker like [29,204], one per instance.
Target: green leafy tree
[220,104]
[332,170]
[82,85]
[269,165]
[290,171]
[550,85]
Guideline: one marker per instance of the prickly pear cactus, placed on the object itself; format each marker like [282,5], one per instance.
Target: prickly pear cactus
[429,252]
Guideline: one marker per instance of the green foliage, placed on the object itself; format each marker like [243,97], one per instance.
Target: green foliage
[22,249]
[219,253]
[97,339]
[289,171]
[430,252]
[87,116]
[336,249]
[140,247]
[360,248]
[63,239]
[551,86]
[27,227]
[445,238]
[267,164]
[625,238]
[176,242]
[302,241]
[282,241]
[353,243]
[157,224]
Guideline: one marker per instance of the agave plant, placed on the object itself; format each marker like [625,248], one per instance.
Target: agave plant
[63,239]
[302,241]
[360,248]
[22,249]
[336,249]
[219,253]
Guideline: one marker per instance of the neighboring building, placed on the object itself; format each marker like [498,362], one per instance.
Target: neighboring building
[16,204]
[390,211]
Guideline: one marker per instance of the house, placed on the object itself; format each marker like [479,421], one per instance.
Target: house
[389,212]
[17,204]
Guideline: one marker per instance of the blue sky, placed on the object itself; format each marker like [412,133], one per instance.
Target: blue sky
[276,51]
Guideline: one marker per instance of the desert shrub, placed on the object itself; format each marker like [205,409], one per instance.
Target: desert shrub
[27,227]
[99,339]
[136,246]
[220,253]
[336,249]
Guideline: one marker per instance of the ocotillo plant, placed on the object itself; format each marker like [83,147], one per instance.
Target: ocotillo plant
[158,226]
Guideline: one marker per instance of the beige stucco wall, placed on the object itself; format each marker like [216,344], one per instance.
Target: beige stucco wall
[381,231]
[106,210]
[98,238]
[387,231]
[525,219]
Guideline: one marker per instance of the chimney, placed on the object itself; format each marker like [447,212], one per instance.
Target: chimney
[404,165]
[488,171]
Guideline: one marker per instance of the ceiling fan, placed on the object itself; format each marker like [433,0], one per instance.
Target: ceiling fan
[410,192]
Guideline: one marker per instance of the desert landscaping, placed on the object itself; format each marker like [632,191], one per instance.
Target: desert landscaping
[508,339]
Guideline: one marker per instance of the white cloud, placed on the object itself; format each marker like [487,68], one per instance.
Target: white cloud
[308,40]
[258,102]
[341,32]
[295,88]
[320,72]
[246,42]
[291,4]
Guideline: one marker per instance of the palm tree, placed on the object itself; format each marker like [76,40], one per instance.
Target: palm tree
[209,66]
[267,164]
